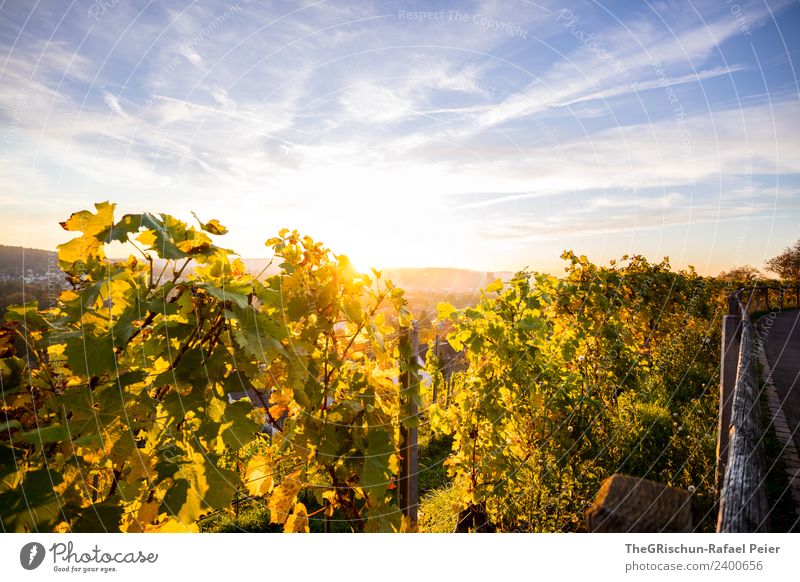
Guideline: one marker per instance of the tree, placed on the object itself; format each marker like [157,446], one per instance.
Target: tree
[741,274]
[787,264]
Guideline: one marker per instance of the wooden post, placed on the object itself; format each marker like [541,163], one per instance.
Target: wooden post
[408,486]
[731,337]
[438,361]
[743,505]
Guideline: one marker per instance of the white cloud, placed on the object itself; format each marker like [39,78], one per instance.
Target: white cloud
[368,103]
[113,103]
[356,119]
[191,54]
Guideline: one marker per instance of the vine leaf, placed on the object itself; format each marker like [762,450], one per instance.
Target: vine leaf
[258,475]
[46,434]
[34,508]
[90,244]
[90,355]
[297,522]
[283,497]
[99,517]
[377,473]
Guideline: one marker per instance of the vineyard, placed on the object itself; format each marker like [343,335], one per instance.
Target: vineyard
[164,387]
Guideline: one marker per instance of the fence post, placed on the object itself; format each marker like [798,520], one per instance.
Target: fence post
[408,485]
[731,338]
[743,505]
[438,361]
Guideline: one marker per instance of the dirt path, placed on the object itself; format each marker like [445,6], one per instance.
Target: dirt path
[782,347]
[780,363]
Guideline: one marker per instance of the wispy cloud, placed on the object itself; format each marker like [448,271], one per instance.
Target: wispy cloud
[332,117]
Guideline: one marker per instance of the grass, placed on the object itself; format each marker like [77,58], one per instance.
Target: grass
[254,518]
[438,496]
[437,510]
[251,519]
[432,453]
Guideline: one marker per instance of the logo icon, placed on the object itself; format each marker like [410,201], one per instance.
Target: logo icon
[31,555]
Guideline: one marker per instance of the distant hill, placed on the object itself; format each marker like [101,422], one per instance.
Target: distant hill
[439,280]
[12,260]
[28,275]
[256,266]
[443,279]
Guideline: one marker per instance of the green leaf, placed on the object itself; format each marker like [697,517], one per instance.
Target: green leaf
[237,426]
[90,355]
[11,372]
[376,475]
[27,314]
[182,502]
[47,434]
[165,230]
[237,293]
[101,517]
[34,506]
[411,421]
[11,468]
[178,405]
[259,335]
[199,486]
[128,224]
[5,427]
[353,309]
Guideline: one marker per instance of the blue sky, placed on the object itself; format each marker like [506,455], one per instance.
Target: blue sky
[488,135]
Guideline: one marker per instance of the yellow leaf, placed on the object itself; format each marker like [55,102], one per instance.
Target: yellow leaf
[444,310]
[214,227]
[147,238]
[298,521]
[172,525]
[279,404]
[284,497]
[147,513]
[87,222]
[455,342]
[258,475]
[141,465]
[199,243]
[404,318]
[495,286]
[88,245]
[330,497]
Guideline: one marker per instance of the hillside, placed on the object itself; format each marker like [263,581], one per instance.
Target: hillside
[12,260]
[443,279]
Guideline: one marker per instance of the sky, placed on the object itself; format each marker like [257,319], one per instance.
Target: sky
[484,135]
